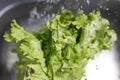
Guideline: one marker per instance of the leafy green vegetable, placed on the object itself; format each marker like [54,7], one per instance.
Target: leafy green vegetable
[61,49]
[32,62]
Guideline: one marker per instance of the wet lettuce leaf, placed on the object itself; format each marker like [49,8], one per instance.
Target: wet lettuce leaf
[63,46]
[31,64]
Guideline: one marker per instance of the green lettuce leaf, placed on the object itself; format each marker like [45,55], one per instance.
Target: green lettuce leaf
[31,64]
[70,40]
[61,49]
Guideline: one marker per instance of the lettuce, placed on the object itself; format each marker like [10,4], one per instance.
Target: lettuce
[31,63]
[63,46]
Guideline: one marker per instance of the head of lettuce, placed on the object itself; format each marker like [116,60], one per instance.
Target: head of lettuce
[61,49]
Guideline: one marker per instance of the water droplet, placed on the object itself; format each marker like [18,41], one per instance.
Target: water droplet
[34,15]
[107,9]
[101,6]
[81,6]
[52,1]
[108,14]
[62,7]
[88,2]
[79,9]
[44,12]
[76,0]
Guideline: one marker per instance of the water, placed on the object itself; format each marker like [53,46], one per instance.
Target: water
[52,1]
[88,2]
[103,67]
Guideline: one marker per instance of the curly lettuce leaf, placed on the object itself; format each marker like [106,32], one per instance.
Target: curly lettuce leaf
[31,64]
[70,40]
[63,46]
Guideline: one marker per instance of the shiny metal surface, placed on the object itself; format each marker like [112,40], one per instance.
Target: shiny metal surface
[33,13]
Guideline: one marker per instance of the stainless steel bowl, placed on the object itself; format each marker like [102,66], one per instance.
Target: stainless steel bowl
[33,13]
